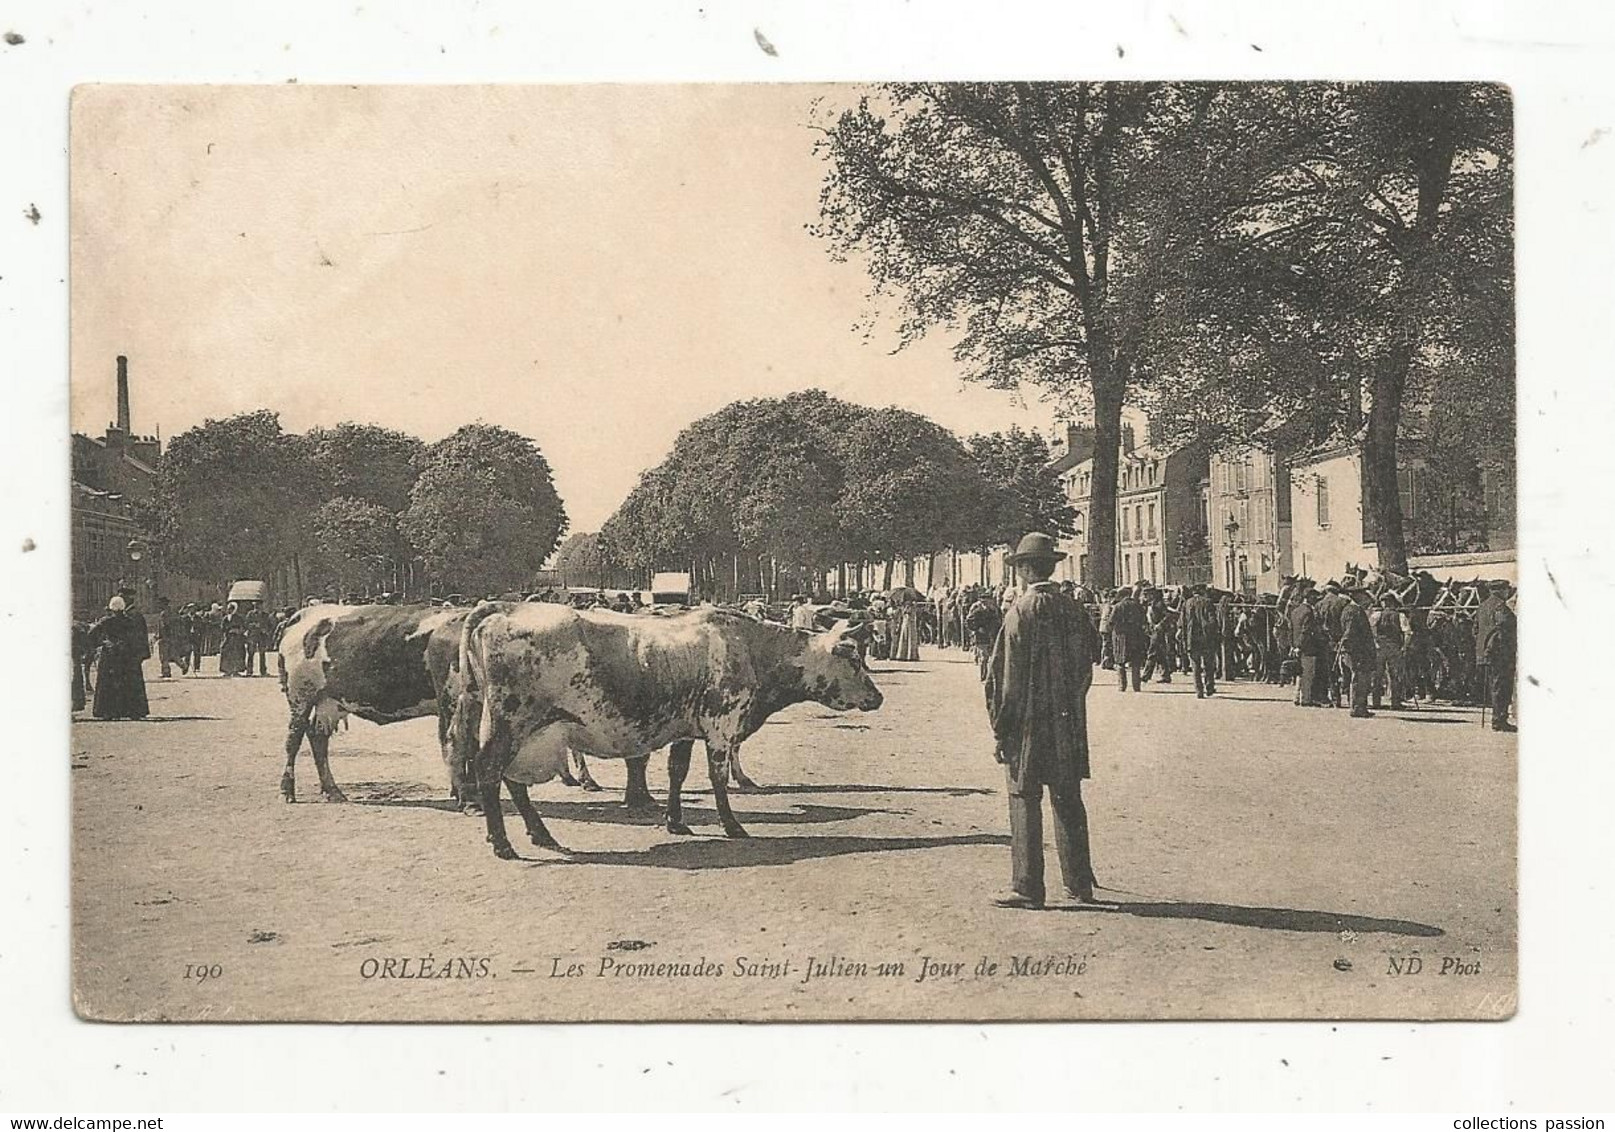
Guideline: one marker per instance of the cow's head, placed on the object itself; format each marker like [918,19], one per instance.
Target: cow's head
[833,671]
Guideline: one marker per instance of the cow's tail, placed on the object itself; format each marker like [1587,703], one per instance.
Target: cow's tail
[470,708]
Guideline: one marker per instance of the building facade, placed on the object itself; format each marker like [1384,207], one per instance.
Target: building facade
[1159,515]
[1248,521]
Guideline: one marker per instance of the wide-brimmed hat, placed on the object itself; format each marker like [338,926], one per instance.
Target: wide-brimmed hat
[1499,585]
[1036,547]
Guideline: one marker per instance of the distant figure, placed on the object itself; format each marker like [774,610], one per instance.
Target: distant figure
[1496,642]
[1309,642]
[1357,649]
[802,614]
[1202,636]
[119,641]
[1037,689]
[165,631]
[982,621]
[81,661]
[1127,636]
[906,619]
[259,630]
[233,642]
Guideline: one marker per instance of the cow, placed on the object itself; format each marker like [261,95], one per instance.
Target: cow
[538,680]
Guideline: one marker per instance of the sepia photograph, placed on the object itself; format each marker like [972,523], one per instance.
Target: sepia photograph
[1012,550]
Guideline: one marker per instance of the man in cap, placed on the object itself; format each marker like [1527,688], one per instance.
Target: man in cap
[1390,637]
[1037,689]
[1202,637]
[1310,642]
[1496,642]
[1357,651]
[1127,636]
[1162,623]
[1331,606]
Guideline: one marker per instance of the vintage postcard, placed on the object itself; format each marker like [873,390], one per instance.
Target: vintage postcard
[1009,551]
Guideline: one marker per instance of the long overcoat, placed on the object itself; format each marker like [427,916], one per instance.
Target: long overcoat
[1037,689]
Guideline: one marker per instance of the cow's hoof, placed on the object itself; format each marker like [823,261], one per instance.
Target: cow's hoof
[745,785]
[505,853]
[471,809]
[288,797]
[333,795]
[645,805]
[680,828]
[736,832]
[546,843]
[590,786]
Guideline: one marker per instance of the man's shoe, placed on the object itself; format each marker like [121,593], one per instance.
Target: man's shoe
[1504,726]
[1362,715]
[1016,900]
[1083,894]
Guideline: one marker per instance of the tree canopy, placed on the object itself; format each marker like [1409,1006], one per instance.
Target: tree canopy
[811,481]
[484,512]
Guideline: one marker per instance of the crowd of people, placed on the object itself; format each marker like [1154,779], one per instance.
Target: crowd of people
[109,651]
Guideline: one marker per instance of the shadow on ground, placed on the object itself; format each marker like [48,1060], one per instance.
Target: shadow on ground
[1272,919]
[724,853]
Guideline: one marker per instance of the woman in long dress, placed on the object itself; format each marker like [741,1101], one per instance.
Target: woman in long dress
[120,644]
[907,618]
[233,648]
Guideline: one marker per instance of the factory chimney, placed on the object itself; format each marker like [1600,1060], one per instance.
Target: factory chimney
[123,395]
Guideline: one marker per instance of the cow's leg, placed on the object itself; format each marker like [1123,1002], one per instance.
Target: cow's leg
[637,798]
[462,775]
[718,773]
[491,759]
[678,765]
[584,777]
[295,730]
[564,773]
[536,831]
[319,741]
[738,773]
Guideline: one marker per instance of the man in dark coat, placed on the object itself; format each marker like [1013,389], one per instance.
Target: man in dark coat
[1128,638]
[1331,605]
[119,640]
[1311,643]
[1357,650]
[1202,636]
[1496,645]
[1037,689]
[1162,623]
[983,621]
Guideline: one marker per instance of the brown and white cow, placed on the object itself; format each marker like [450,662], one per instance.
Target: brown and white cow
[383,663]
[386,663]
[541,679]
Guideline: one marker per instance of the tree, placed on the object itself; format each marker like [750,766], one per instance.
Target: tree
[1363,249]
[228,497]
[484,512]
[367,462]
[1023,492]
[354,546]
[910,488]
[1033,219]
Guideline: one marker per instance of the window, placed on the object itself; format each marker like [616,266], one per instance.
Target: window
[1143,577]
[1138,524]
[1127,569]
[1407,491]
[1323,501]
[1153,566]
[1152,521]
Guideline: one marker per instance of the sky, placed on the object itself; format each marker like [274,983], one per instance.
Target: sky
[594,267]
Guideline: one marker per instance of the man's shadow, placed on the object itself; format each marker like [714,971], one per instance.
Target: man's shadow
[1271,919]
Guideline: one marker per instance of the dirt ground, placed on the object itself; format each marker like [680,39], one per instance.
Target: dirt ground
[1257,860]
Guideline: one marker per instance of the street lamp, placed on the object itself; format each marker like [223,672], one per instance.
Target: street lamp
[1232,529]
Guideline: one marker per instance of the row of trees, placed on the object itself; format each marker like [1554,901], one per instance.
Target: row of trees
[1338,255]
[355,508]
[809,482]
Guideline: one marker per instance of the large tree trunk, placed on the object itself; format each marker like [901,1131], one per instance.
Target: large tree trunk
[1107,430]
[1379,451]
[887,584]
